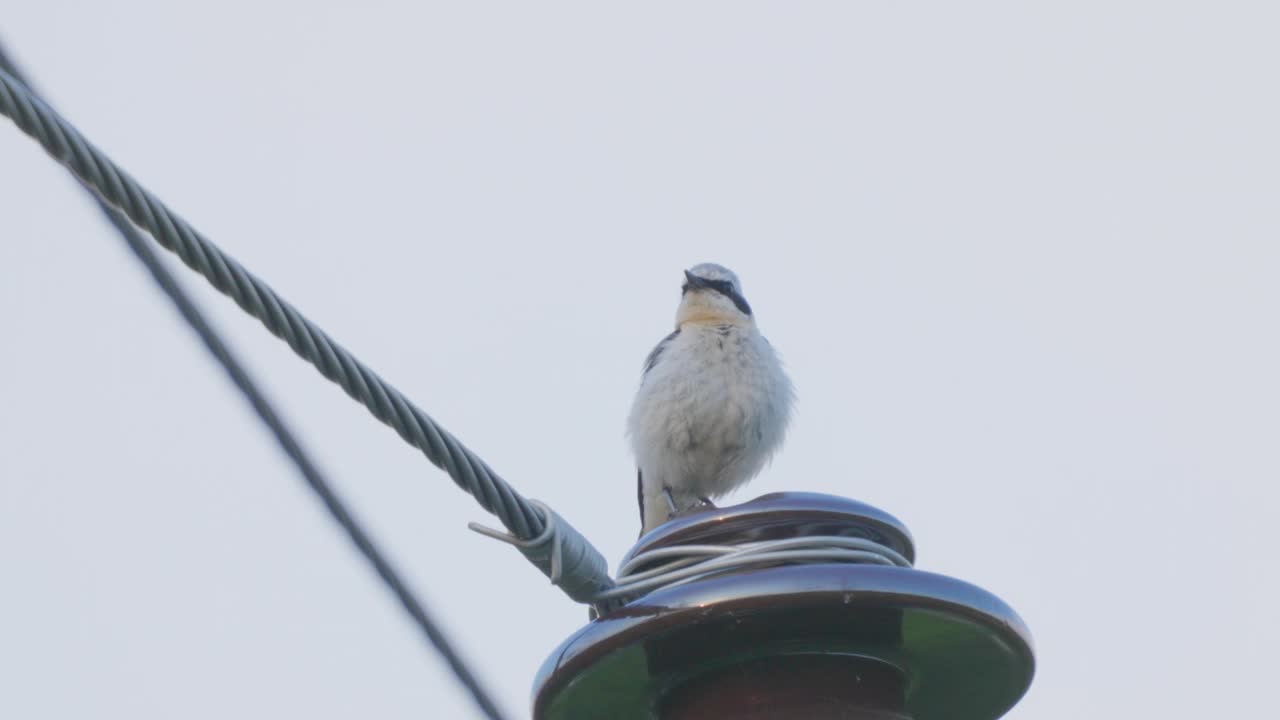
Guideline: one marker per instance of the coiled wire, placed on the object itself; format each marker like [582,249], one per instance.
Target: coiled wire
[679,564]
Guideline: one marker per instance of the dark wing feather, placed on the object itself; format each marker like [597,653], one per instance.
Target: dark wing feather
[656,353]
[649,362]
[640,495]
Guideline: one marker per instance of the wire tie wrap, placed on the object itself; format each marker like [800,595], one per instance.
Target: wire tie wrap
[561,552]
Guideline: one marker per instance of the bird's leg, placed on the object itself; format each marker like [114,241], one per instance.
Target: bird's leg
[671,502]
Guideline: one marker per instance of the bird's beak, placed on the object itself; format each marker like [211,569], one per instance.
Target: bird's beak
[694,281]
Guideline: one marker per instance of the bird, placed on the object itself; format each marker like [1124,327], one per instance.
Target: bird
[713,404]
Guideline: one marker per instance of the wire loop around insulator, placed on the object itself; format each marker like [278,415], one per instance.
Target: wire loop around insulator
[678,564]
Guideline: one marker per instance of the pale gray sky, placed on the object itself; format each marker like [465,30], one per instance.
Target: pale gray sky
[1021,260]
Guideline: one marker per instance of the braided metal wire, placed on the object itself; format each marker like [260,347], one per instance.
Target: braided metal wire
[119,190]
[289,443]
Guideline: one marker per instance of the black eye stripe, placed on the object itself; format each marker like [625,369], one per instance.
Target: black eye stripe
[725,288]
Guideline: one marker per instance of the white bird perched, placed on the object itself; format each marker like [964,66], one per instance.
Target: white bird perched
[713,403]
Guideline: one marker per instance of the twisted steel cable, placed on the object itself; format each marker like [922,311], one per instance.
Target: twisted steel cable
[574,564]
[119,190]
[288,442]
[549,542]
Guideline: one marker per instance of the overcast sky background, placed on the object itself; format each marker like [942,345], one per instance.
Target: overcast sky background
[1021,260]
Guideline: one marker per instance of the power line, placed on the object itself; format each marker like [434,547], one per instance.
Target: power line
[314,478]
[253,295]
[554,546]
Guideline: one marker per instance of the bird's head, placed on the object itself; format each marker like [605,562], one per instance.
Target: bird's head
[712,295]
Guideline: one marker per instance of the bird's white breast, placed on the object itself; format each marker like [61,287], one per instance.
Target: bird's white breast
[711,410]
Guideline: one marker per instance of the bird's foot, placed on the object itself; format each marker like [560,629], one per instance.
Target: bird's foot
[702,505]
[676,510]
